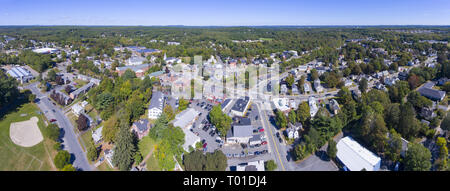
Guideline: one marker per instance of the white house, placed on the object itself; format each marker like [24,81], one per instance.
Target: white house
[97,135]
[156,106]
[355,157]
[313,108]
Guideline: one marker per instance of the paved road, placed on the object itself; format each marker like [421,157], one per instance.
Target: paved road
[278,151]
[70,141]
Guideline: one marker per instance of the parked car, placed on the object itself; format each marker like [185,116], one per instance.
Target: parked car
[264,142]
[236,155]
[204,145]
[52,120]
[261,130]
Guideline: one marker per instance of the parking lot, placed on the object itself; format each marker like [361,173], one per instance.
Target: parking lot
[242,153]
[202,127]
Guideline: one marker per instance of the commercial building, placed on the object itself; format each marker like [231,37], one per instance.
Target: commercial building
[241,106]
[250,166]
[240,132]
[156,105]
[45,50]
[20,74]
[184,120]
[355,157]
[139,70]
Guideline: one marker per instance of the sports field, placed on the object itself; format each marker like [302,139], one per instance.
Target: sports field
[18,158]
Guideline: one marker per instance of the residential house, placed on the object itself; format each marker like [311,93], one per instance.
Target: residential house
[334,106]
[317,86]
[109,153]
[293,130]
[313,108]
[97,135]
[141,128]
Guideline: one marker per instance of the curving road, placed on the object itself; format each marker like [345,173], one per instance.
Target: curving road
[70,141]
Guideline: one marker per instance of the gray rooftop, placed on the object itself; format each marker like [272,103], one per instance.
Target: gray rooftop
[157,100]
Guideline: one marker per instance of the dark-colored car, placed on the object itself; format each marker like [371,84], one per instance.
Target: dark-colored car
[52,120]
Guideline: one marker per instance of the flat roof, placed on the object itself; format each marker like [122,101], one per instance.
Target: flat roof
[355,156]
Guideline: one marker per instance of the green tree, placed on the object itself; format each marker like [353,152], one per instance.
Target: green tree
[183,104]
[418,158]
[331,149]
[314,74]
[445,125]
[68,167]
[92,152]
[281,120]
[52,132]
[290,80]
[271,165]
[292,117]
[62,159]
[51,75]
[303,114]
[125,148]
[394,146]
[220,120]
[443,153]
[363,85]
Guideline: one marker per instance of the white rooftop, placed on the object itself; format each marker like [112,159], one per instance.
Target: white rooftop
[355,157]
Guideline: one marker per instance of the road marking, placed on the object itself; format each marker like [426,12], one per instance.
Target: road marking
[276,148]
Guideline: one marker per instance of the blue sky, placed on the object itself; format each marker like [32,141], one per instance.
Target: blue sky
[224,13]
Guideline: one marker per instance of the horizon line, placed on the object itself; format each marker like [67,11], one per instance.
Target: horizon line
[356,25]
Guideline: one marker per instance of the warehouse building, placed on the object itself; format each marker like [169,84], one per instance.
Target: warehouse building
[355,157]
[21,74]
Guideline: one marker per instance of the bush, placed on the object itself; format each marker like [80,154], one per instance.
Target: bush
[62,159]
[52,132]
[271,165]
[57,146]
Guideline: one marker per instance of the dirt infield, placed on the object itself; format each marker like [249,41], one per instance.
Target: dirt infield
[26,133]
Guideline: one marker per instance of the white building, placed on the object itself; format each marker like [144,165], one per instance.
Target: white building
[133,61]
[21,74]
[184,120]
[355,157]
[45,50]
[97,135]
[156,106]
[251,166]
[313,108]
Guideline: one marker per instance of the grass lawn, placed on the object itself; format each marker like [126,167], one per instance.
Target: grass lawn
[146,145]
[152,164]
[105,167]
[17,158]
[80,83]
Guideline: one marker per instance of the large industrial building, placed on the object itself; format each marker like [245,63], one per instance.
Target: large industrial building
[21,74]
[355,157]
